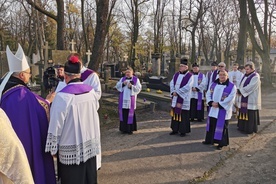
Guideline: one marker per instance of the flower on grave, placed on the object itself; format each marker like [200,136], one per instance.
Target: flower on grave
[145,100]
[105,116]
[148,90]
[159,91]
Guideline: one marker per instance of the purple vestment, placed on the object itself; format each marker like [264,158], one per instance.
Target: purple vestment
[86,74]
[178,108]
[27,113]
[222,112]
[76,89]
[132,103]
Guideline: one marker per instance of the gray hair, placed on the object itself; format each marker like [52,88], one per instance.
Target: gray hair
[250,64]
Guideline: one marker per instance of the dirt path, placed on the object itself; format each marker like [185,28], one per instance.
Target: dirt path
[151,155]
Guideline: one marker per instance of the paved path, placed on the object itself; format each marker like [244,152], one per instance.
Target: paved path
[151,155]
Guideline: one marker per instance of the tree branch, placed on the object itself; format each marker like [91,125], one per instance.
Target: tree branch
[41,10]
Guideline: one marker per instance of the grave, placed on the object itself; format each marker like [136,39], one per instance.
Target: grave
[158,83]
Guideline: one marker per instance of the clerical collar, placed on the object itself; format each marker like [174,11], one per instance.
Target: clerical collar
[183,72]
[74,80]
[14,81]
[128,78]
[222,83]
[246,75]
[195,73]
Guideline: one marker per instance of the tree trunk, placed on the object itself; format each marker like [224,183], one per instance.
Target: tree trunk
[242,33]
[100,34]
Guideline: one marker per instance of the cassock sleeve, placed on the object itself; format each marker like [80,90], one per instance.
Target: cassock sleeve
[94,81]
[119,85]
[172,89]
[208,97]
[185,90]
[202,85]
[229,101]
[136,88]
[251,87]
[58,112]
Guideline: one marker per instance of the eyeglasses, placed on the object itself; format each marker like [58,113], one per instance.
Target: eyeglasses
[220,66]
[30,73]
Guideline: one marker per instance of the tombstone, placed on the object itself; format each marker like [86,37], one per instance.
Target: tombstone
[60,56]
[107,74]
[173,67]
[73,43]
[4,67]
[156,64]
[35,58]
[111,68]
[35,72]
[88,53]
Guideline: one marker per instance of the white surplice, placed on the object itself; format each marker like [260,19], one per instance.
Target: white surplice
[227,103]
[252,91]
[74,129]
[184,92]
[134,91]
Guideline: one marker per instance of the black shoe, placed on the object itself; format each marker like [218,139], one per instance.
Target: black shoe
[192,119]
[199,120]
[182,135]
[130,133]
[204,142]
[219,147]
[173,133]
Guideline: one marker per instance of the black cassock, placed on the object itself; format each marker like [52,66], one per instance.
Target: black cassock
[127,128]
[251,125]
[194,113]
[209,139]
[182,126]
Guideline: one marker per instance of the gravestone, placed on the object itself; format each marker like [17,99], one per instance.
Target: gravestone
[4,67]
[173,67]
[156,64]
[60,56]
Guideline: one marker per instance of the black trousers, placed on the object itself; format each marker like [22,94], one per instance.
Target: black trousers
[85,173]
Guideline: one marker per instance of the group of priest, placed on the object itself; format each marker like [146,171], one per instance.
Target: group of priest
[223,92]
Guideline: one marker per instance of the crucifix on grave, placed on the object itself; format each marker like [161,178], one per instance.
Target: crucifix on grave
[125,57]
[73,43]
[88,53]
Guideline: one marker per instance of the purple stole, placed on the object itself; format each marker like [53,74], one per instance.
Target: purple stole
[222,112]
[86,73]
[214,77]
[199,94]
[209,77]
[132,103]
[244,100]
[76,89]
[176,111]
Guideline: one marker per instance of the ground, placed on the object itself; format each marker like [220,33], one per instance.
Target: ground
[151,155]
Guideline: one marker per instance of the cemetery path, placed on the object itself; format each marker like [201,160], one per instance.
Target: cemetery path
[151,155]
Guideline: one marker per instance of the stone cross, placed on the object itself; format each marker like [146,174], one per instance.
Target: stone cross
[73,43]
[88,53]
[125,57]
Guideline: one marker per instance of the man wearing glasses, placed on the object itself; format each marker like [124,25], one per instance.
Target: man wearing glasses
[29,115]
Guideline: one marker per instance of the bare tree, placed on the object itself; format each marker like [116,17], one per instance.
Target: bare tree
[193,18]
[263,47]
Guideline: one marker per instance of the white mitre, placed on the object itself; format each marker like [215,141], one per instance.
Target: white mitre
[17,63]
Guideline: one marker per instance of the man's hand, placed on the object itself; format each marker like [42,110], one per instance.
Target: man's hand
[50,97]
[215,104]
[175,94]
